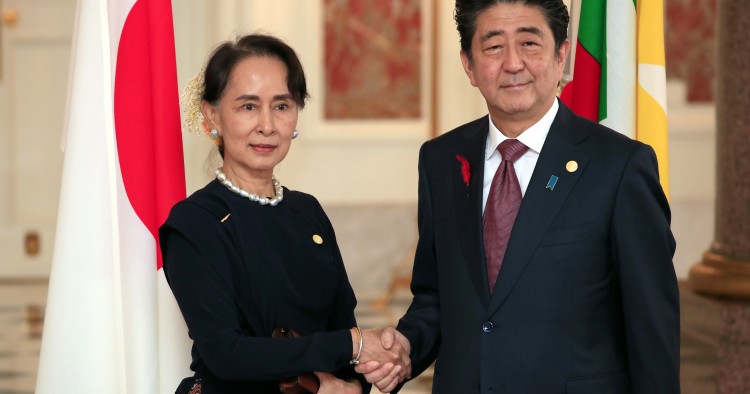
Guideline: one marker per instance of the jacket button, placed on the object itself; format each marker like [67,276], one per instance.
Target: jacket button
[488,326]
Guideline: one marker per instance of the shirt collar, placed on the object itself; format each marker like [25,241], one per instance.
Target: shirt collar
[533,137]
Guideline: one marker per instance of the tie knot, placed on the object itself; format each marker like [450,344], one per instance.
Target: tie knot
[511,150]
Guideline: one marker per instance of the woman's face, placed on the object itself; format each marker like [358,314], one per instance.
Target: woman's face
[256,116]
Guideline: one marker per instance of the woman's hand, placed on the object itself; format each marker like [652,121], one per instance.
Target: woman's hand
[330,384]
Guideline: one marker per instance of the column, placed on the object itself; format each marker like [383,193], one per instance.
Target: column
[722,278]
[725,268]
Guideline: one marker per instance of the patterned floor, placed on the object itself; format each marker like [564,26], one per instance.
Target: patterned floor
[21,311]
[21,308]
[20,336]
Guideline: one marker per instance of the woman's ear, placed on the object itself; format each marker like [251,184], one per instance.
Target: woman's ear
[210,117]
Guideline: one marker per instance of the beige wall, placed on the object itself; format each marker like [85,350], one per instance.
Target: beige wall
[339,162]
[355,163]
[376,162]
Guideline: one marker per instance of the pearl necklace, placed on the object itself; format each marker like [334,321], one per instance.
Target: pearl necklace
[279,191]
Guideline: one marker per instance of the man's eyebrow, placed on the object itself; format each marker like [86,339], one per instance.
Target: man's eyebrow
[530,29]
[490,34]
[499,32]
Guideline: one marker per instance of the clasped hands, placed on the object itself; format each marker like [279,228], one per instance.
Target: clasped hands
[384,360]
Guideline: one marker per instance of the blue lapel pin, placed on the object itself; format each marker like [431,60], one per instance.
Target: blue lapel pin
[552,182]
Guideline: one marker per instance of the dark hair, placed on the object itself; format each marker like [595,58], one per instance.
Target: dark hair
[467,11]
[227,55]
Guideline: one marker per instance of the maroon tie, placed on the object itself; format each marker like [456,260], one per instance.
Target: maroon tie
[502,207]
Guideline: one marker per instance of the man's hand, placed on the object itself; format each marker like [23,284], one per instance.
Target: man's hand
[385,358]
[330,384]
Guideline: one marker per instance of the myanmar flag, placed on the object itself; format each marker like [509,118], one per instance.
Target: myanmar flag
[618,76]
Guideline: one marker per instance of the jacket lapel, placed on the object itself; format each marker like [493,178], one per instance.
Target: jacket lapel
[468,205]
[541,203]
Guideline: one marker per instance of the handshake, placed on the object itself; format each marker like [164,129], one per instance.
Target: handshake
[384,359]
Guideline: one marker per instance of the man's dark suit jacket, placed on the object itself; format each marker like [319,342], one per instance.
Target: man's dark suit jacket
[586,300]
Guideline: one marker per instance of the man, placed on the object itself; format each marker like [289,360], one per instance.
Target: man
[585,298]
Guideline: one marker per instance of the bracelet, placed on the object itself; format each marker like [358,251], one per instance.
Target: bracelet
[355,360]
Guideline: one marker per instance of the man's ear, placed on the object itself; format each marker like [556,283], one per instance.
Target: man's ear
[468,65]
[562,55]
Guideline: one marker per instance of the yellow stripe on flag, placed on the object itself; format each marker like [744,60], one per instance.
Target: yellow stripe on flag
[651,32]
[652,130]
[651,111]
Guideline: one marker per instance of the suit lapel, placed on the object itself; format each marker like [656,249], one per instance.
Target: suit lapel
[540,203]
[469,204]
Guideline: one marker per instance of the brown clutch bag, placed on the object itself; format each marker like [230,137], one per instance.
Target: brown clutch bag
[306,383]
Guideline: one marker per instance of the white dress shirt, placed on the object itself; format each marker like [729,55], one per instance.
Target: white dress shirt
[533,137]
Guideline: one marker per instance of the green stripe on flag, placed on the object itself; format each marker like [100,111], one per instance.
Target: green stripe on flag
[592,34]
[603,89]
[591,31]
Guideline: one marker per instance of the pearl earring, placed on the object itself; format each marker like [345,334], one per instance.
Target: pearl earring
[214,134]
[295,134]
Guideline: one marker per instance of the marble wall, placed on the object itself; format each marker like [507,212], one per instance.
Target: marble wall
[376,242]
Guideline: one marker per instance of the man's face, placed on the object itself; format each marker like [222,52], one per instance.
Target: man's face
[514,63]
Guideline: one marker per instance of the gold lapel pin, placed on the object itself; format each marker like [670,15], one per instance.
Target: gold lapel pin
[571,166]
[318,239]
[224,219]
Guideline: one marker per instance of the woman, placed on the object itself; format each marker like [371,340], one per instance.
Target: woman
[245,256]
